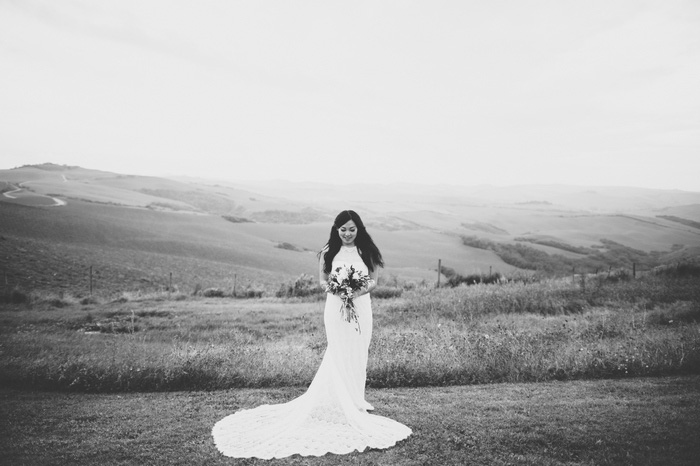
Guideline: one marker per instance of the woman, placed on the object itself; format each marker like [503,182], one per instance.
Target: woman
[331,417]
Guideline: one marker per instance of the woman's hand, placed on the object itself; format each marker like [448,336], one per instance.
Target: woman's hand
[367,288]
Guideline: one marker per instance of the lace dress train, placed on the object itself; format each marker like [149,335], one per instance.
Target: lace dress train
[331,417]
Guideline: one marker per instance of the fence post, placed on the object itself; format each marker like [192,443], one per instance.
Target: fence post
[439,272]
[170,283]
[573,275]
[91,280]
[634,270]
[234,285]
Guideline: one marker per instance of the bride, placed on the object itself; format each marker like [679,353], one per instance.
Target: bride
[332,416]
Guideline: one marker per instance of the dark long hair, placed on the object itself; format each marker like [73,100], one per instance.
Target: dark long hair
[365,245]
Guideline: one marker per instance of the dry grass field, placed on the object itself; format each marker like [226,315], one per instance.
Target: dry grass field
[605,374]
[515,332]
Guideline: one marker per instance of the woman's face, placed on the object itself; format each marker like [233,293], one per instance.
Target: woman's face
[348,233]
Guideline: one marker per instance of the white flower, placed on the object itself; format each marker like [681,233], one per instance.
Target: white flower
[342,275]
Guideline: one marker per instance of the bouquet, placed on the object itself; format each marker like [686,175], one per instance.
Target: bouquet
[344,282]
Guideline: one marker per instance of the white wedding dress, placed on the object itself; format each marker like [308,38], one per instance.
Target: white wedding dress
[331,417]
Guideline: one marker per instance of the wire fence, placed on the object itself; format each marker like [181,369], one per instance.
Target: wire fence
[89,280]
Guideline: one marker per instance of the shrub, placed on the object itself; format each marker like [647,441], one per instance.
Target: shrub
[621,255]
[213,293]
[556,244]
[16,296]
[89,300]
[607,254]
[56,302]
[447,271]
[249,292]
[304,285]
[683,221]
[288,247]
[618,275]
[234,219]
[386,292]
[518,255]
[683,269]
[474,279]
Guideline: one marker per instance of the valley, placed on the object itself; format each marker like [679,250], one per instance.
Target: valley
[145,232]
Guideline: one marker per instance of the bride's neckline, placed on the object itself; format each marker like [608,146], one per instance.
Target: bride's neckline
[348,247]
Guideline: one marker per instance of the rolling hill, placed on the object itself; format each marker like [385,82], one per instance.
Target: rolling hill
[58,221]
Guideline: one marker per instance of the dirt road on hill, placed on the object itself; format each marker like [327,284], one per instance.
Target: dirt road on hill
[20,191]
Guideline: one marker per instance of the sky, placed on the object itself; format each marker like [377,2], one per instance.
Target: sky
[456,92]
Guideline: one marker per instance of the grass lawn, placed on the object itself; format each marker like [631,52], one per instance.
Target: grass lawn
[635,421]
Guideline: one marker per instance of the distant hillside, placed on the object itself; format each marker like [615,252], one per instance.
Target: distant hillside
[549,198]
[135,231]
